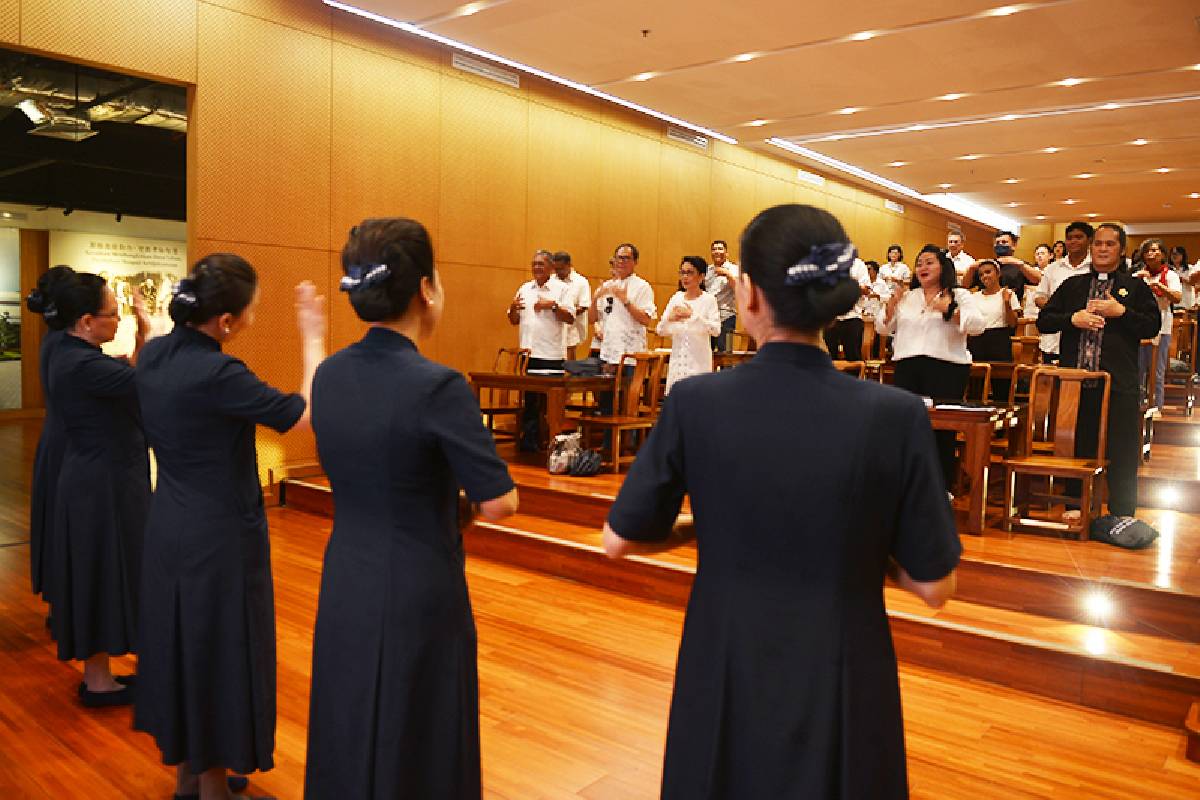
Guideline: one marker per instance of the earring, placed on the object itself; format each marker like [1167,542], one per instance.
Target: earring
[226,330]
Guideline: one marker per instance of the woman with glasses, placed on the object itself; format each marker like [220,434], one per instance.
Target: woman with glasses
[103,489]
[691,319]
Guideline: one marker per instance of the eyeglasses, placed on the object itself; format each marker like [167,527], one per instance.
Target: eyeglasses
[623,258]
[113,314]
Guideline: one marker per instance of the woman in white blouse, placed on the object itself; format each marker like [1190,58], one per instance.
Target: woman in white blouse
[691,318]
[999,308]
[930,321]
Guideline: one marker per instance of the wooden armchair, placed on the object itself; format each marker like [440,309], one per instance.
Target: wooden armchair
[504,402]
[1181,384]
[1054,408]
[857,369]
[1150,409]
[979,384]
[628,396]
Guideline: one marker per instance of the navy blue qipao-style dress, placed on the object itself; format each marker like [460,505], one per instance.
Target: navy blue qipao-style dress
[100,503]
[47,463]
[206,671]
[394,707]
[786,683]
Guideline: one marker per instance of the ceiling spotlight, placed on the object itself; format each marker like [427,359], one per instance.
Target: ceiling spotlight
[1140,142]
[945,185]
[1092,216]
[68,211]
[970,157]
[1070,201]
[1069,82]
[898,164]
[1194,195]
[1051,150]
[1013,204]
[34,111]
[1012,180]
[849,110]
[757,123]
[1086,175]
[6,215]
[1163,170]
[119,214]
[952,96]
[742,58]
[644,76]
[1040,216]
[862,36]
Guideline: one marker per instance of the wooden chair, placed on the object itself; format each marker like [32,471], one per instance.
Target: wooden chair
[1054,408]
[504,402]
[869,336]
[856,368]
[1182,380]
[979,384]
[740,340]
[1149,408]
[656,385]
[627,406]
[887,373]
[1026,349]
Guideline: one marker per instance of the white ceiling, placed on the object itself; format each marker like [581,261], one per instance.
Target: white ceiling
[806,67]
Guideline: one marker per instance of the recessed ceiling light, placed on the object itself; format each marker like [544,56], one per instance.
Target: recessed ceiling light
[1086,175]
[1110,106]
[1092,216]
[1002,11]
[1069,82]
[862,36]
[1051,150]
[948,185]
[1013,204]
[970,157]
[952,96]
[644,76]
[849,110]
[1070,201]
[1012,180]
[1140,142]
[898,164]
[470,8]
[757,123]
[1194,195]
[1163,170]
[1009,118]
[1040,216]
[741,58]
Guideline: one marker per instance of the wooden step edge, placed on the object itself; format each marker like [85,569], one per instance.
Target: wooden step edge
[1191,727]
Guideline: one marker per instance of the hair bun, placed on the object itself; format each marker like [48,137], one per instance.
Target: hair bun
[36,301]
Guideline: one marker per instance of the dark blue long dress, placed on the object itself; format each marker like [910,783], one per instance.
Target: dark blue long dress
[47,463]
[101,500]
[394,709]
[786,683]
[206,666]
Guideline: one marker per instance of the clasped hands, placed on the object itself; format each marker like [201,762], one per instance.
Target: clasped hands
[1097,311]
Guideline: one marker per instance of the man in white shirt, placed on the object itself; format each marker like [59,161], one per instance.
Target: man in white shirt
[577,296]
[1168,289]
[843,339]
[628,301]
[719,281]
[954,248]
[540,311]
[1076,262]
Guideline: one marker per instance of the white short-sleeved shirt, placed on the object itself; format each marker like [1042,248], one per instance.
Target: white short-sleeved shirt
[991,307]
[858,271]
[962,262]
[1170,279]
[1189,292]
[720,288]
[622,333]
[691,343]
[1053,277]
[920,331]
[874,305]
[577,295]
[542,332]
[895,273]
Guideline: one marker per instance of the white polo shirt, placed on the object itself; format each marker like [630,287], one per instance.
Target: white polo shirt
[577,295]
[542,332]
[895,273]
[962,262]
[1053,277]
[622,333]
[720,287]
[1189,292]
[858,271]
[1169,279]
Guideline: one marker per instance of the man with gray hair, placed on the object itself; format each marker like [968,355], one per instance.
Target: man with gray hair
[954,249]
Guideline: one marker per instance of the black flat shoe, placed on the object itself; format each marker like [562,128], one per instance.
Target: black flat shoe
[237,783]
[124,680]
[90,699]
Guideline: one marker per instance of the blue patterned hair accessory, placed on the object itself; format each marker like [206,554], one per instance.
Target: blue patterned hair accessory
[185,293]
[827,263]
[363,276]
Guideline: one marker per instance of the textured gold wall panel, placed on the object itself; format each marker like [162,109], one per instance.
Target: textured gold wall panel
[310,16]
[261,119]
[564,187]
[386,138]
[685,186]
[731,203]
[10,21]
[152,37]
[485,141]
[474,324]
[629,170]
[770,191]
[382,40]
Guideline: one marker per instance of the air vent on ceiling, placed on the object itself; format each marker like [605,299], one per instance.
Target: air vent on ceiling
[684,136]
[485,70]
[810,177]
[64,126]
[892,205]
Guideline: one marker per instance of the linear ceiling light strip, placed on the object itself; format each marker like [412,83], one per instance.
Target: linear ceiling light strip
[408,27]
[947,202]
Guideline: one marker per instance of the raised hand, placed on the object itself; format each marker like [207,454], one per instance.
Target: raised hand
[310,311]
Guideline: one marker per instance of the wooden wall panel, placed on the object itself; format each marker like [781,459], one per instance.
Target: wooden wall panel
[386,137]
[262,126]
[310,16]
[150,37]
[485,141]
[34,248]
[771,191]
[685,186]
[629,179]
[564,186]
[474,324]
[10,21]
[731,203]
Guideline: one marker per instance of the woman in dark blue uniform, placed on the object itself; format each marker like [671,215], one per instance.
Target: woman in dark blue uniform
[47,460]
[394,707]
[207,648]
[103,487]
[815,487]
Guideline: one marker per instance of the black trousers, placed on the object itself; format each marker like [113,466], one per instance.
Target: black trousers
[941,380]
[535,407]
[1123,448]
[994,344]
[846,334]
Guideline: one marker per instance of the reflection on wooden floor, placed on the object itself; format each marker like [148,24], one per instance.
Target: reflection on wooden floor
[575,685]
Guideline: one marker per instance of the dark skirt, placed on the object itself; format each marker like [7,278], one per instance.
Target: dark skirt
[206,661]
[47,464]
[96,556]
[994,344]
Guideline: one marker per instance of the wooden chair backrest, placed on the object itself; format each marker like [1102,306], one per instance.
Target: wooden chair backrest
[868,342]
[1025,349]
[1054,409]
[979,383]
[1148,376]
[652,395]
[1022,381]
[1183,339]
[740,340]
[511,360]
[628,393]
[855,368]
[887,373]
